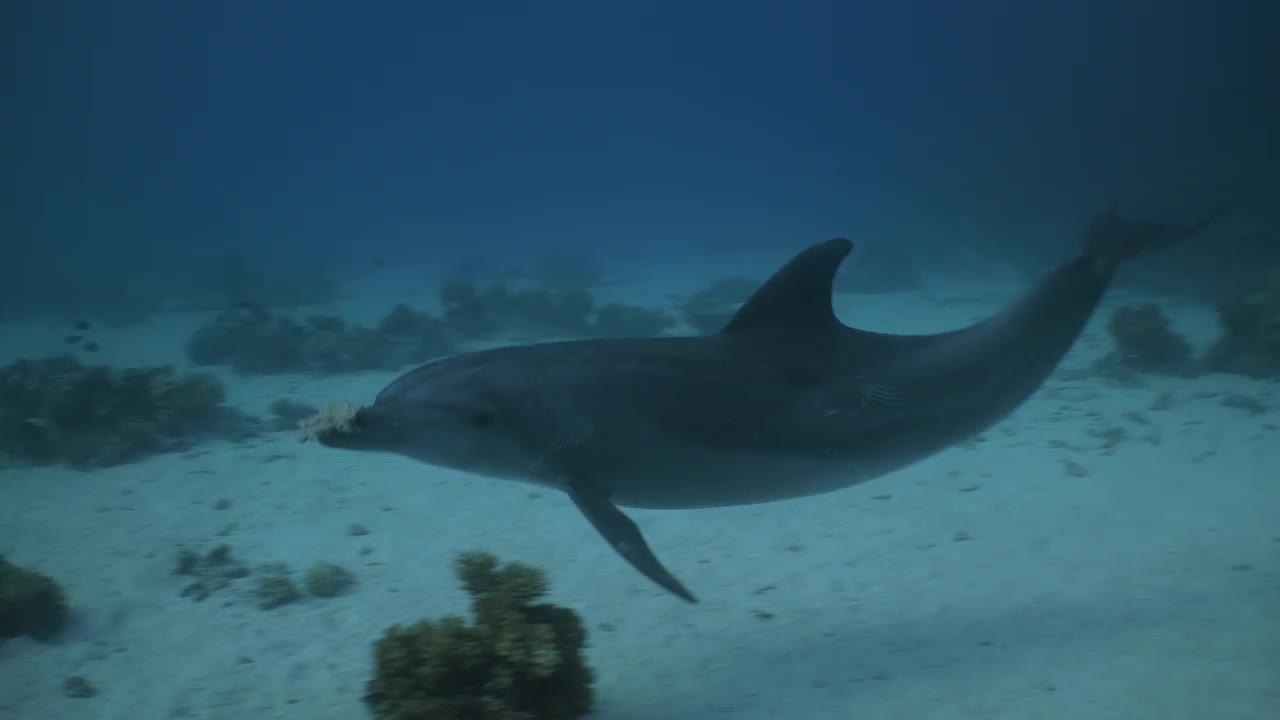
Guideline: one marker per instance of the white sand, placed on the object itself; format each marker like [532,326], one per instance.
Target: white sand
[988,582]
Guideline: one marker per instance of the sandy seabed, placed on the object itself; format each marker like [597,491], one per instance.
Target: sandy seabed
[1055,568]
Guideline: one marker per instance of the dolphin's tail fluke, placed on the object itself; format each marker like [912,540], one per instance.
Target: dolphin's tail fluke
[1114,238]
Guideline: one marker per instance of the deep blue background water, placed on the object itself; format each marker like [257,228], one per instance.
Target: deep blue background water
[144,136]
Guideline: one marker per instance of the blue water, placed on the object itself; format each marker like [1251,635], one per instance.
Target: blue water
[167,161]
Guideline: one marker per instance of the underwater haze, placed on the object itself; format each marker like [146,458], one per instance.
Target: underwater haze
[230,223]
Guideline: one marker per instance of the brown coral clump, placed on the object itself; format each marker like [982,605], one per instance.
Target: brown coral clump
[30,603]
[518,660]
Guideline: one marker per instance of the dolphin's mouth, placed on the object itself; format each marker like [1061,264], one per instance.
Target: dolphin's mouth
[334,426]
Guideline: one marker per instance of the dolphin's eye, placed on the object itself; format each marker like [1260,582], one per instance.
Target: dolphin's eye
[480,419]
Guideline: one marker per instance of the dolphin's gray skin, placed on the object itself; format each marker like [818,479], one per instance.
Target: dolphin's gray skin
[784,402]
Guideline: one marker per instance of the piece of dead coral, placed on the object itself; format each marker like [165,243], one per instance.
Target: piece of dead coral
[333,418]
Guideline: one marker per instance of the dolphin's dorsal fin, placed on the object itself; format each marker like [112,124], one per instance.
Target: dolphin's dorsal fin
[798,295]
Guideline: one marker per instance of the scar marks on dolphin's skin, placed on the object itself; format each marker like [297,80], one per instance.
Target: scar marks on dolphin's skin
[568,426]
[873,392]
[866,394]
[574,430]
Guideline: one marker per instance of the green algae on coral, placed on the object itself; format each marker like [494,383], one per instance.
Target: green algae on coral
[518,659]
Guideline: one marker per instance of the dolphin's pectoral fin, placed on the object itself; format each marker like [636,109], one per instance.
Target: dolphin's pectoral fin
[624,536]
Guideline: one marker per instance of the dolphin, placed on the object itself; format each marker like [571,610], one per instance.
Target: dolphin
[785,401]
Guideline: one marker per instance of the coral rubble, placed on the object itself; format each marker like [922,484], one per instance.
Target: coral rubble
[210,571]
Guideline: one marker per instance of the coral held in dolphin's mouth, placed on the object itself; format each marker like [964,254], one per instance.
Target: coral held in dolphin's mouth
[333,420]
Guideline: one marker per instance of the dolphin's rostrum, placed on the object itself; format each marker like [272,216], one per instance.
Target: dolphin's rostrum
[786,401]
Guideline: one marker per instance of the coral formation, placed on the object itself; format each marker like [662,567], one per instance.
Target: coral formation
[497,311]
[1250,341]
[59,410]
[251,339]
[1144,343]
[519,660]
[30,603]
[325,579]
